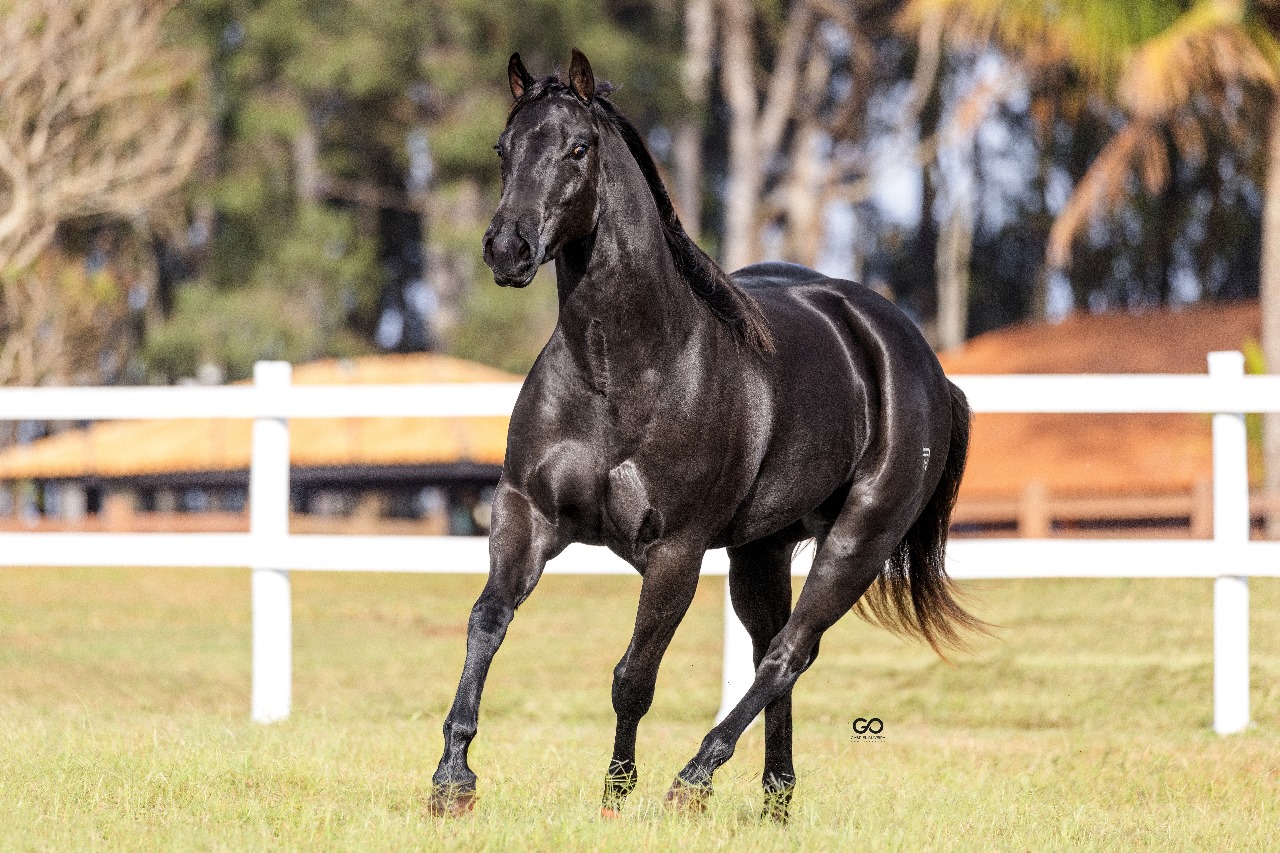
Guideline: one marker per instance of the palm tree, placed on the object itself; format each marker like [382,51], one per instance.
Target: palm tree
[1159,61]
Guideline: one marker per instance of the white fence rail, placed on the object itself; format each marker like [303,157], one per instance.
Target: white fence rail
[270,551]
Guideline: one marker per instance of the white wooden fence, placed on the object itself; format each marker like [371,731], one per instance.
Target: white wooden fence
[271,551]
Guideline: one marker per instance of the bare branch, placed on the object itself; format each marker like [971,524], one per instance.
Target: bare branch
[97,116]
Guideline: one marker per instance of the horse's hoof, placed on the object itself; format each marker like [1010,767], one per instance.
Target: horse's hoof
[777,806]
[775,812]
[686,798]
[609,814]
[450,801]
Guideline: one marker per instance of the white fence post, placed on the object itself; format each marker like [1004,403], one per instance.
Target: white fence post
[269,520]
[1230,527]
[738,669]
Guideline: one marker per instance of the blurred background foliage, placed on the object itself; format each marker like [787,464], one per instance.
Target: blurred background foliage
[982,161]
[352,172]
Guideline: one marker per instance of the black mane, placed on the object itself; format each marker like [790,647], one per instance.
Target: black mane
[730,304]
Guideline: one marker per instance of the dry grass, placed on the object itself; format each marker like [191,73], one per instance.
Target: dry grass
[1085,725]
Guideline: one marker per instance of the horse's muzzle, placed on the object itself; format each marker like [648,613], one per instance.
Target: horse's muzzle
[513,258]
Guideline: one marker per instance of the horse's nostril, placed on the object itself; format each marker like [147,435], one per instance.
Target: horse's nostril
[524,252]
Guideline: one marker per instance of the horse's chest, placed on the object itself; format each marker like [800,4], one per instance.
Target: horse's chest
[648,502]
[633,520]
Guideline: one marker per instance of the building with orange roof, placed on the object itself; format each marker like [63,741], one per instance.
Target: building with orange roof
[1087,471]
[398,468]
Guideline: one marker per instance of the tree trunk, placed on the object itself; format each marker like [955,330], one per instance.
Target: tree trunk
[955,247]
[924,264]
[306,162]
[804,207]
[699,41]
[1269,293]
[756,130]
[1038,306]
[745,178]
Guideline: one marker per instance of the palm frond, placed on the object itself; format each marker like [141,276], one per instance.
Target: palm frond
[1096,37]
[1203,49]
[1106,184]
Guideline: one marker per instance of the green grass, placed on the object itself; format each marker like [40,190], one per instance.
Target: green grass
[1084,725]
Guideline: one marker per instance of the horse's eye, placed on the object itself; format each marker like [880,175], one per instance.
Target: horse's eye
[579,151]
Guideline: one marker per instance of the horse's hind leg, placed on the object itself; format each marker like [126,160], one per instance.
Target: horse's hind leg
[760,587]
[862,538]
[521,543]
[670,580]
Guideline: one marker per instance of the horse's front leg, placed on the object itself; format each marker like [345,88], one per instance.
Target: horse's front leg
[521,543]
[670,580]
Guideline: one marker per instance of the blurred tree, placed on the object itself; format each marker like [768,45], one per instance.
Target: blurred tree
[696,66]
[357,135]
[100,123]
[1213,54]
[1173,68]
[308,204]
[66,320]
[826,97]
[1064,53]
[290,310]
[797,79]
[757,124]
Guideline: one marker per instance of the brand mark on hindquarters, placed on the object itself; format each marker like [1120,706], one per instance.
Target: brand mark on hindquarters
[926,459]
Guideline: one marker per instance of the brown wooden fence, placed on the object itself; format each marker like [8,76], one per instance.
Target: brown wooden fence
[1036,513]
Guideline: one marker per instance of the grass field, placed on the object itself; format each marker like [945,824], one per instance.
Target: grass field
[1084,725]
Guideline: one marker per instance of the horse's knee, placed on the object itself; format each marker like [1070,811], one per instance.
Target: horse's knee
[631,697]
[490,615]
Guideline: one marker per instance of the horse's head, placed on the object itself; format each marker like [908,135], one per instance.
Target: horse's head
[550,167]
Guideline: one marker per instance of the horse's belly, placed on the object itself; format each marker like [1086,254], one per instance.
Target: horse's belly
[783,495]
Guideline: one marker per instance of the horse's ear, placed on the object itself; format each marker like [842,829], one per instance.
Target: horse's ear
[581,80]
[517,76]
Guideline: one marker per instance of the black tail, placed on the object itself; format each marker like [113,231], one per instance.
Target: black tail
[913,595]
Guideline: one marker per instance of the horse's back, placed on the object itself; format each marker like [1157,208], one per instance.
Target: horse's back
[801,302]
[770,274]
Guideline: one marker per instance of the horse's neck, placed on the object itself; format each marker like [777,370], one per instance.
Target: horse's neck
[624,308]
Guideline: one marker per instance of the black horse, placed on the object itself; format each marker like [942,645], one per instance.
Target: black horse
[677,409]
